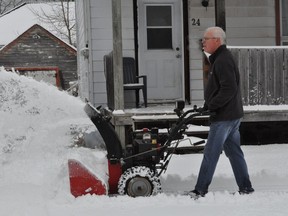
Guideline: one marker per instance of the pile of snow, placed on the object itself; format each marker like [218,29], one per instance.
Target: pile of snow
[38,127]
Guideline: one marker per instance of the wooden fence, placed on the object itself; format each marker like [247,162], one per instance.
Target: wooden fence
[264,74]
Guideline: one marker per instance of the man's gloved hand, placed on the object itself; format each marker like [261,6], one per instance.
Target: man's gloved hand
[201,109]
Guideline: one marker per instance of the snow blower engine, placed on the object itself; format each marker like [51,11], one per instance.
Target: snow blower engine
[134,170]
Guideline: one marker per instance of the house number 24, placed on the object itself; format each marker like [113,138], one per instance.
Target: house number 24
[195,22]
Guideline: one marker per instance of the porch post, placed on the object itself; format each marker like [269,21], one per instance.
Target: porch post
[117,55]
[118,65]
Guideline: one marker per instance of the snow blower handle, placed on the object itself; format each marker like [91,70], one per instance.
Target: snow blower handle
[203,110]
[200,109]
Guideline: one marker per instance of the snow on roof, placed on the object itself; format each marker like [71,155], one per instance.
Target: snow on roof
[18,21]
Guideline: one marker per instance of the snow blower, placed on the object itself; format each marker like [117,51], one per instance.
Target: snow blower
[135,170]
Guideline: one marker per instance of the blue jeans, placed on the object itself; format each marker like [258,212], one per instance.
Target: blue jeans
[223,135]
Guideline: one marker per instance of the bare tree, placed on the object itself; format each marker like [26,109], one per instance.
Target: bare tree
[61,19]
[6,5]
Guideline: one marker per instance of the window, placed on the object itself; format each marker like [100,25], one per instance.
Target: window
[159,27]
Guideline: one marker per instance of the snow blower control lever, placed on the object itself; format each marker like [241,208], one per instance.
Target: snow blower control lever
[136,168]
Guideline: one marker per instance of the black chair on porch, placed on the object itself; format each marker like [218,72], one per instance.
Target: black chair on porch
[132,81]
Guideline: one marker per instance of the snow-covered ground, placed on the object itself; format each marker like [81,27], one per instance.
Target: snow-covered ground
[38,129]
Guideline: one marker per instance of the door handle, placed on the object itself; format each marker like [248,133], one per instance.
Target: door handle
[178,55]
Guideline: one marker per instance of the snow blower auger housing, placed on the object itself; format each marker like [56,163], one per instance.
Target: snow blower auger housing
[134,170]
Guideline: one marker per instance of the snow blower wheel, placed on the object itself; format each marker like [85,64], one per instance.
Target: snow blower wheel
[139,181]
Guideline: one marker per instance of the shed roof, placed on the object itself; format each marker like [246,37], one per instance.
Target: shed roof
[62,43]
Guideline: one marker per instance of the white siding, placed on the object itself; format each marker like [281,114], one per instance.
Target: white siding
[247,23]
[102,41]
[251,23]
[206,17]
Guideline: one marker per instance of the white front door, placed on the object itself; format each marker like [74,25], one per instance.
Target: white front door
[160,48]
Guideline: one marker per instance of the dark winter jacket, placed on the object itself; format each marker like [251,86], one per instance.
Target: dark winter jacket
[222,93]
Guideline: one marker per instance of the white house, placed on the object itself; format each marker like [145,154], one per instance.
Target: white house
[164,38]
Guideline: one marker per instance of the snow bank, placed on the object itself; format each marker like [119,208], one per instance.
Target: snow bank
[38,127]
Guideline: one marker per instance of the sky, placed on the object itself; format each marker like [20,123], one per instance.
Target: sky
[40,129]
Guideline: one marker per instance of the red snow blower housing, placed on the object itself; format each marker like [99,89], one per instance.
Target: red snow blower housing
[134,170]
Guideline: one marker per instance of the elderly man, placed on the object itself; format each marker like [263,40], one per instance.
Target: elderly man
[223,99]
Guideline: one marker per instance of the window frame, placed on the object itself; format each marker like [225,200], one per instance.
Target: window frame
[160,27]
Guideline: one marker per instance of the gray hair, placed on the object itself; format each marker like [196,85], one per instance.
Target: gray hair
[217,32]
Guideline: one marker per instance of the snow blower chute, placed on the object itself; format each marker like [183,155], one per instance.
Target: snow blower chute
[134,170]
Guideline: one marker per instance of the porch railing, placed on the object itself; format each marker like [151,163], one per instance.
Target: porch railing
[264,74]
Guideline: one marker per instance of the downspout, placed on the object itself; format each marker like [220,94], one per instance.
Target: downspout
[89,47]
[185,9]
[220,14]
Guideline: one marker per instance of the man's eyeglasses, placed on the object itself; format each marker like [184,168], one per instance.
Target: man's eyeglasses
[208,38]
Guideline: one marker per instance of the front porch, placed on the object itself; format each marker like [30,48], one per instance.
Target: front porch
[262,124]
